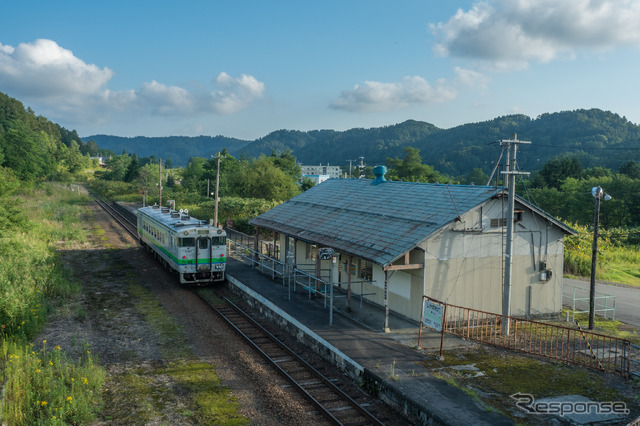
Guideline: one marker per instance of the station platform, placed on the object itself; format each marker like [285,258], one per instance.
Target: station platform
[387,364]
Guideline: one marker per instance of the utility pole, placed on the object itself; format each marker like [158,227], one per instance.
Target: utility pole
[160,182]
[594,260]
[599,194]
[350,162]
[215,214]
[510,172]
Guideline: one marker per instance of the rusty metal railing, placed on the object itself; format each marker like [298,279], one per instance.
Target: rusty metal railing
[572,345]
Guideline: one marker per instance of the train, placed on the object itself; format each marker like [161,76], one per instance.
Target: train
[195,250]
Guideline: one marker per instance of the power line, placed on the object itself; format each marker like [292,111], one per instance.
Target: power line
[579,147]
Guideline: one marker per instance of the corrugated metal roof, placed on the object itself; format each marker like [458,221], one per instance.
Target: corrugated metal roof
[376,222]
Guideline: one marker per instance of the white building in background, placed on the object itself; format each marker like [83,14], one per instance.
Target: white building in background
[317,178]
[332,171]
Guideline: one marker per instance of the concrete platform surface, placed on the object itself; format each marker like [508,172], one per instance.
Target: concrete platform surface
[391,358]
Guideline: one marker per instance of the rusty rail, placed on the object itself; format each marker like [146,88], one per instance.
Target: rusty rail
[566,344]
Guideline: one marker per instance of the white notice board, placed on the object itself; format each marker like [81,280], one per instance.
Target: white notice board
[432,316]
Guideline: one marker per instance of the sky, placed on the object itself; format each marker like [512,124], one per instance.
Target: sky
[246,68]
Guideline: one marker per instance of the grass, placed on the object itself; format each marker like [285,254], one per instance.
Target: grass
[606,326]
[506,374]
[45,387]
[41,385]
[618,263]
[211,402]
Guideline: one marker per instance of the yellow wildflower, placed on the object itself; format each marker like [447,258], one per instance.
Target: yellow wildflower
[43,403]
[44,341]
[69,399]
[38,370]
[85,381]
[50,363]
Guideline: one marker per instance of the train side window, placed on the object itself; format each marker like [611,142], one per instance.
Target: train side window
[186,242]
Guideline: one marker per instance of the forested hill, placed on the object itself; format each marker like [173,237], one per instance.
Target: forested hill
[596,137]
[35,148]
[178,149]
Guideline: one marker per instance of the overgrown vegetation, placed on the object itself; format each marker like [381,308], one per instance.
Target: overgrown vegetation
[618,259]
[42,385]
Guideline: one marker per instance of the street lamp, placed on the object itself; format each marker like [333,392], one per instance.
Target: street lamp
[598,194]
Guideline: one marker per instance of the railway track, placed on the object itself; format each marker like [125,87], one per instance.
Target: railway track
[331,401]
[327,398]
[125,218]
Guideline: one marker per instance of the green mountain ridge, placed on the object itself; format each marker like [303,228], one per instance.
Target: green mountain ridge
[595,137]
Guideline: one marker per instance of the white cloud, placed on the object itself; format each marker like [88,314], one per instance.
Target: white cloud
[165,100]
[67,88]
[521,31]
[44,69]
[237,93]
[375,96]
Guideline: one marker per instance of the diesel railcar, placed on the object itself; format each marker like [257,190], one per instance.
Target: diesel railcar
[194,249]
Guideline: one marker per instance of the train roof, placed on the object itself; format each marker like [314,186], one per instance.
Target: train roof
[173,219]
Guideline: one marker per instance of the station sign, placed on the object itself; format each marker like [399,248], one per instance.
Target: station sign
[325,253]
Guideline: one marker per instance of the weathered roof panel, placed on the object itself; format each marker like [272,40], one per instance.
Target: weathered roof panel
[377,222]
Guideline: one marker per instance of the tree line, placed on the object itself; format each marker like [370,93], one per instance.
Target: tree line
[34,148]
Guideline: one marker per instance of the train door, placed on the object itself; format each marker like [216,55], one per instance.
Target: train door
[203,254]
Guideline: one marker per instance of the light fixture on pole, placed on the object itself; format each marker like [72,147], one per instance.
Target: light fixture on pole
[598,194]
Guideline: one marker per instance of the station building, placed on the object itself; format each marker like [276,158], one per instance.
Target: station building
[394,242]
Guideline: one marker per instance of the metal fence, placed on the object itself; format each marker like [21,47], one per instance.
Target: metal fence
[241,246]
[578,302]
[548,340]
[634,359]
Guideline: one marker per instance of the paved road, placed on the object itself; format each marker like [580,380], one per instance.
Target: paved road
[627,298]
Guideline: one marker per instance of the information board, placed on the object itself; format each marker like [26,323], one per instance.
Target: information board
[432,316]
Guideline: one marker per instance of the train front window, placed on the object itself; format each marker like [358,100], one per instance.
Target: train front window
[186,242]
[218,241]
[203,243]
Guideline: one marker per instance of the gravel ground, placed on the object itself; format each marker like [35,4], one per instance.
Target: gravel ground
[113,270]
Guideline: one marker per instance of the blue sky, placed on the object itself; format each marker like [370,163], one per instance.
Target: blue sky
[244,69]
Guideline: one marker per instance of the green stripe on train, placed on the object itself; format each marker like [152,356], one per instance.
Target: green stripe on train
[202,261]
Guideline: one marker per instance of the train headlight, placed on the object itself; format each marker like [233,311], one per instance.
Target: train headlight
[218,267]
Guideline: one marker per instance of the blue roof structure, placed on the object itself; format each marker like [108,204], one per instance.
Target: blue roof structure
[378,221]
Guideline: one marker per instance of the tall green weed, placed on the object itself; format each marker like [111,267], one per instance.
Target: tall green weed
[618,257]
[43,386]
